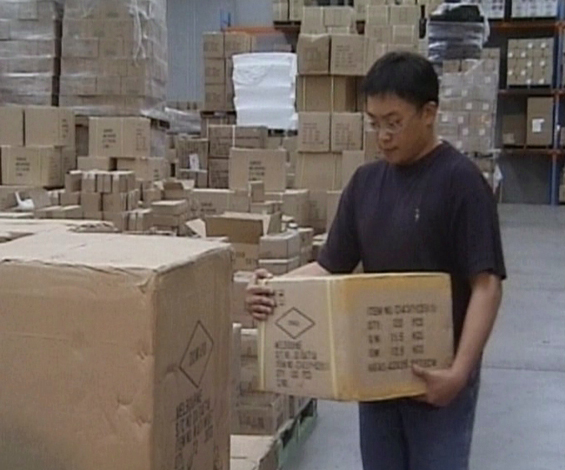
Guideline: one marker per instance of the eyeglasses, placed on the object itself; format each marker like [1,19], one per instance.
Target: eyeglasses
[393,127]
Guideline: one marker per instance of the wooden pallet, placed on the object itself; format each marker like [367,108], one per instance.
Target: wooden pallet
[296,432]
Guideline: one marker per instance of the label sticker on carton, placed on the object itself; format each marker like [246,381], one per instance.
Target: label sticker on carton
[537,125]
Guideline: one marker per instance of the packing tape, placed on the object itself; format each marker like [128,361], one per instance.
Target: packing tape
[333,368]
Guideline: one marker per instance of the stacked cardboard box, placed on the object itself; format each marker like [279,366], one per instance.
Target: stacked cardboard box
[114,57]
[190,154]
[296,8]
[151,318]
[534,9]
[281,10]
[493,9]
[328,20]
[37,145]
[468,98]
[280,253]
[30,33]
[391,27]
[123,143]
[540,126]
[219,49]
[530,61]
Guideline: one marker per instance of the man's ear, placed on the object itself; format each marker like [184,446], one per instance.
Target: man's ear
[430,113]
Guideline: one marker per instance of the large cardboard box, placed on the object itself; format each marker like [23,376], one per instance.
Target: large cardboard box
[244,231]
[215,97]
[313,54]
[224,137]
[254,453]
[327,94]
[213,45]
[514,129]
[214,71]
[280,246]
[119,137]
[32,166]
[350,162]
[49,126]
[356,336]
[12,126]
[247,165]
[346,132]
[540,128]
[314,132]
[321,171]
[132,378]
[347,55]
[313,21]
[295,205]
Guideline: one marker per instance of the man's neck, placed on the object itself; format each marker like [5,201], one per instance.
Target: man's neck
[427,149]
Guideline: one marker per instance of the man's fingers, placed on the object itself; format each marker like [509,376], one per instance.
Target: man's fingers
[262,274]
[259,316]
[420,372]
[254,300]
[260,290]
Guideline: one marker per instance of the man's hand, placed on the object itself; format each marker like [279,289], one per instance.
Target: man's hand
[259,300]
[443,385]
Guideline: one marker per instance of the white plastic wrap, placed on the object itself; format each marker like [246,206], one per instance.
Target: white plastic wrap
[114,57]
[449,39]
[265,90]
[30,32]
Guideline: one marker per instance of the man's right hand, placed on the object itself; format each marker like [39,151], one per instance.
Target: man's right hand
[259,300]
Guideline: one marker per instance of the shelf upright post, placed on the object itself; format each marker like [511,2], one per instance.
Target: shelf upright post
[558,61]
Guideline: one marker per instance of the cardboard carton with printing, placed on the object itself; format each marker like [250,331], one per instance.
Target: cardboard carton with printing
[148,380]
[119,137]
[12,126]
[314,132]
[248,165]
[346,132]
[356,337]
[347,55]
[314,54]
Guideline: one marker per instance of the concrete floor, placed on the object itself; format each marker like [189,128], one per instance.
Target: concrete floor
[521,417]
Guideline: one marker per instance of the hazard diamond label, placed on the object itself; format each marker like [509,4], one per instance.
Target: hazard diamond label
[295,323]
[197,355]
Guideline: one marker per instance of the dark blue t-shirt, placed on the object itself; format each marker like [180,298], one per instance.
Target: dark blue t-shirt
[437,215]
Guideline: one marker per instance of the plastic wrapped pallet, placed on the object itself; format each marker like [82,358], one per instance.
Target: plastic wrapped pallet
[114,57]
[457,31]
[30,32]
[265,90]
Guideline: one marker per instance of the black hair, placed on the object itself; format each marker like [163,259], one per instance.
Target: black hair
[407,75]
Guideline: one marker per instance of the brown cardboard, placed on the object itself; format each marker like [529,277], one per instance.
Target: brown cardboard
[146,169]
[347,55]
[514,129]
[295,204]
[152,369]
[218,173]
[269,166]
[404,15]
[237,43]
[254,452]
[405,35]
[374,50]
[346,132]
[241,280]
[212,201]
[339,16]
[249,375]
[170,207]
[364,331]
[351,161]
[326,94]
[12,126]
[96,163]
[313,54]
[280,267]
[280,246]
[261,414]
[318,171]
[32,166]
[224,137]
[314,132]
[378,15]
[383,34]
[91,202]
[332,205]
[235,365]
[119,137]
[313,21]
[249,347]
[214,98]
[213,45]
[539,129]
[214,71]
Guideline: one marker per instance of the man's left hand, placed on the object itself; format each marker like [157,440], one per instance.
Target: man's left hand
[442,385]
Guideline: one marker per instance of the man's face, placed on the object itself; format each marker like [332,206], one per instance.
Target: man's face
[402,130]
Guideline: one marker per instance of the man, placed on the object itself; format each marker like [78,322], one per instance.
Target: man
[425,207]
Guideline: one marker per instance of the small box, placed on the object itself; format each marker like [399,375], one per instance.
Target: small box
[32,166]
[313,21]
[91,202]
[49,126]
[314,54]
[347,55]
[119,137]
[12,126]
[214,71]
[280,267]
[314,132]
[284,245]
[540,128]
[213,45]
[268,166]
[346,131]
[73,181]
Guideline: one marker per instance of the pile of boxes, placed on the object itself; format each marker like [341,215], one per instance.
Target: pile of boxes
[493,9]
[296,8]
[468,98]
[328,20]
[123,143]
[30,33]
[393,27]
[534,9]
[114,57]
[219,49]
[530,61]
[37,145]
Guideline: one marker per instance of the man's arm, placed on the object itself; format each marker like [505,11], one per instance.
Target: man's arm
[444,385]
[483,308]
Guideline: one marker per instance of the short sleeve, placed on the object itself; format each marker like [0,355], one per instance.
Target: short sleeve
[340,254]
[474,228]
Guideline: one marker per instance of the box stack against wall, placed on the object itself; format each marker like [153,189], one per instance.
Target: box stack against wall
[530,62]
[30,33]
[296,8]
[114,57]
[468,98]
[536,9]
[219,49]
[332,141]
[37,145]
